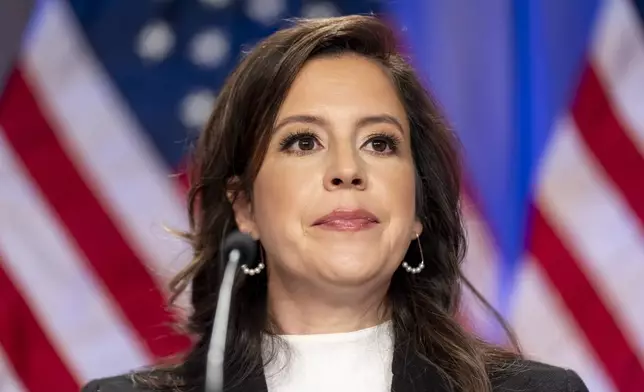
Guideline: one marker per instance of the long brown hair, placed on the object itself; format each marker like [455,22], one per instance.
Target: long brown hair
[232,146]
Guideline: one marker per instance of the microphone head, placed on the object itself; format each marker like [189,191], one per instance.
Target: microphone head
[242,242]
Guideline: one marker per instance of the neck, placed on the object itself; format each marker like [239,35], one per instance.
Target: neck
[297,308]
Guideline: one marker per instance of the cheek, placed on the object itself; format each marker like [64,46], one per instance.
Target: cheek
[398,191]
[280,195]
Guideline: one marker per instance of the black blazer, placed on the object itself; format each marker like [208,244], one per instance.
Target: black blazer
[410,374]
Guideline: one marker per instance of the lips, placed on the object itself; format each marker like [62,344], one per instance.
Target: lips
[347,220]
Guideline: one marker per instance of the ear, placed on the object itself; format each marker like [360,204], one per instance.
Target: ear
[242,209]
[417,229]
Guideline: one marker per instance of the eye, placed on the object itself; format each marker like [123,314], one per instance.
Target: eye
[379,145]
[300,142]
[382,144]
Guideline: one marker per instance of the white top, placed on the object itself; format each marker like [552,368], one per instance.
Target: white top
[352,361]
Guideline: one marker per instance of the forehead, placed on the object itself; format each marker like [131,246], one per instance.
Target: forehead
[348,82]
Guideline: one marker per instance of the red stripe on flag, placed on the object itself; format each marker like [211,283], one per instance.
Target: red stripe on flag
[182,176]
[95,234]
[28,349]
[591,313]
[607,140]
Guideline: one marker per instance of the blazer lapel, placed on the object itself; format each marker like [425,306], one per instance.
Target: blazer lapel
[412,374]
[254,383]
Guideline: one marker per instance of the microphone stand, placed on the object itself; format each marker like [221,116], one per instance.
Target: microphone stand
[238,246]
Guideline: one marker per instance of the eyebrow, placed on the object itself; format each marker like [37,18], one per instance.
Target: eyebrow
[302,118]
[381,119]
[363,122]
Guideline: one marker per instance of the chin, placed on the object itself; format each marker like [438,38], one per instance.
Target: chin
[351,271]
[349,280]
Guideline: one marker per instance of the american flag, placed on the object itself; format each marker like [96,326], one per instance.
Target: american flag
[104,96]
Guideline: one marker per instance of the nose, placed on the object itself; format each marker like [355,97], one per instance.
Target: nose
[345,171]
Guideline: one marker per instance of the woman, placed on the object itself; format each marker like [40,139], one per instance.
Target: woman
[324,147]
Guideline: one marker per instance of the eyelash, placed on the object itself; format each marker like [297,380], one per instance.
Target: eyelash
[392,141]
[289,140]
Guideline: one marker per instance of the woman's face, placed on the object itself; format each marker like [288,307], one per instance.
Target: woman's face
[333,203]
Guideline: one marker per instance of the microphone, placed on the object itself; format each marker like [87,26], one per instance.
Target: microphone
[239,248]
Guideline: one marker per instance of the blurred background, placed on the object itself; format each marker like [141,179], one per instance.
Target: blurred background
[99,100]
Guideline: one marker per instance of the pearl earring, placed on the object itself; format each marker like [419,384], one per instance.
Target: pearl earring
[421,265]
[259,268]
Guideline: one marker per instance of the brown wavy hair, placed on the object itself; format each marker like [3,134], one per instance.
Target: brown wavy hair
[232,146]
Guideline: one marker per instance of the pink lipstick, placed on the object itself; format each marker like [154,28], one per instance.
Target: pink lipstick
[347,220]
